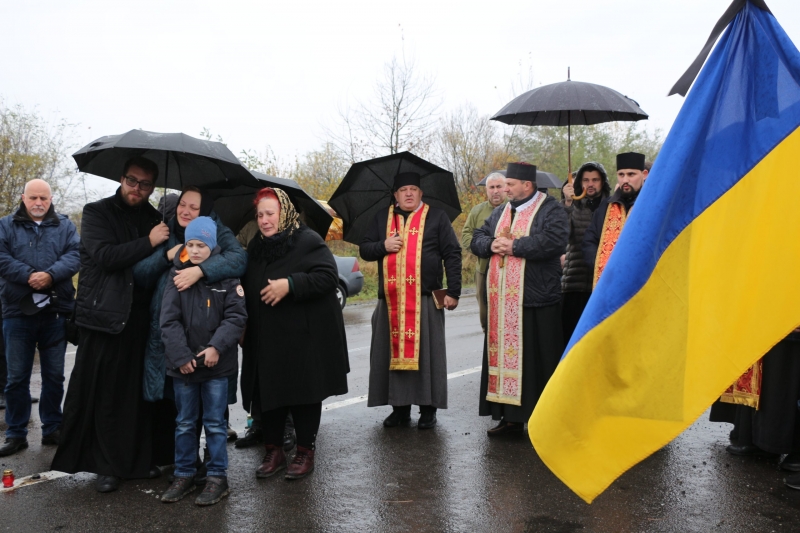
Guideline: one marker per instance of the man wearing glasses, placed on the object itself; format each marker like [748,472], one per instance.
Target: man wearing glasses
[107,426]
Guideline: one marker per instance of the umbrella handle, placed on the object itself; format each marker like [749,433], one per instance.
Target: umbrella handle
[583,194]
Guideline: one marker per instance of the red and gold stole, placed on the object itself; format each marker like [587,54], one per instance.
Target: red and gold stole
[401,284]
[747,389]
[505,289]
[612,227]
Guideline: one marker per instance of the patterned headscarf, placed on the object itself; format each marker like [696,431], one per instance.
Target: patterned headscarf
[289,217]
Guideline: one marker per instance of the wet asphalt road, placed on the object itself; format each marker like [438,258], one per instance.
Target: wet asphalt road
[451,478]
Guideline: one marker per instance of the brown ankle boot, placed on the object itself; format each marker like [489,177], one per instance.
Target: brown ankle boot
[302,464]
[274,461]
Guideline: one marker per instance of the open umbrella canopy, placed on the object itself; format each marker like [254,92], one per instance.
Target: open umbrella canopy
[235,206]
[182,160]
[367,188]
[568,103]
[544,180]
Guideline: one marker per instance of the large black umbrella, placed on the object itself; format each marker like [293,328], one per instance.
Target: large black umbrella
[235,206]
[182,160]
[544,180]
[367,188]
[569,103]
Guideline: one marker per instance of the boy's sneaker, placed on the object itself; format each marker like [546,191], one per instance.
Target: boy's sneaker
[179,488]
[216,489]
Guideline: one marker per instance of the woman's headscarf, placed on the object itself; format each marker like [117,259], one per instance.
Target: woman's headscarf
[206,206]
[289,217]
[268,249]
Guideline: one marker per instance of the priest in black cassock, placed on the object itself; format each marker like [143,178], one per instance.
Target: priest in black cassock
[108,427]
[408,360]
[524,342]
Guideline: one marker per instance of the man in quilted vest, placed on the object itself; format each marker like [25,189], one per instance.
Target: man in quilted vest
[576,283]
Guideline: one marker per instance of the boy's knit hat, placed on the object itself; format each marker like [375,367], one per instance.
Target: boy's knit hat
[202,229]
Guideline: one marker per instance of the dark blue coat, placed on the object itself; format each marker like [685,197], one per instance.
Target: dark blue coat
[231,262]
[27,247]
[206,314]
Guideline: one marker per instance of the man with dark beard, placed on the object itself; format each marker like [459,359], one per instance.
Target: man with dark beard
[576,283]
[108,426]
[609,218]
[524,241]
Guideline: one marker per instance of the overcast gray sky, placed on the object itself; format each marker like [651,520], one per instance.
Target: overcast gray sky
[270,73]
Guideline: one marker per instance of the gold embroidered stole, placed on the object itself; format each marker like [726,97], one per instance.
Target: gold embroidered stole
[747,389]
[402,272]
[506,292]
[612,227]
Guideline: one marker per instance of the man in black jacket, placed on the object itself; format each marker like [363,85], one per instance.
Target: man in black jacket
[576,284]
[108,427]
[410,240]
[525,240]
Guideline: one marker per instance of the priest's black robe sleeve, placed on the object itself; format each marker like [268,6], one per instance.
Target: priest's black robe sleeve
[372,248]
[483,236]
[551,241]
[450,250]
[102,247]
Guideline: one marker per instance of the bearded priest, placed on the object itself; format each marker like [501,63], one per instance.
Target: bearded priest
[524,240]
[408,361]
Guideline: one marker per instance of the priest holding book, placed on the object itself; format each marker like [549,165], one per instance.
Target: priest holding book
[411,241]
[524,240]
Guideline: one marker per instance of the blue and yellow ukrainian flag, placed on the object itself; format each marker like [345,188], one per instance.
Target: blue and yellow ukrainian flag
[705,278]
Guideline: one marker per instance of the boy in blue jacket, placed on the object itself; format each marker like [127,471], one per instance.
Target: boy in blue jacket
[200,327]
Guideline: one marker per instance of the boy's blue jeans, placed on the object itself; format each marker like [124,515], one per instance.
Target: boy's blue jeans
[214,395]
[21,336]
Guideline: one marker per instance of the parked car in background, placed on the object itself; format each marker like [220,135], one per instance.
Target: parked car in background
[351,280]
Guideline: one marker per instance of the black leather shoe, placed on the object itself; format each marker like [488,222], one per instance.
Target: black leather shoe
[254,435]
[12,446]
[427,417]
[155,473]
[791,462]
[51,439]
[106,483]
[289,440]
[399,416]
[747,450]
[793,481]
[232,435]
[505,428]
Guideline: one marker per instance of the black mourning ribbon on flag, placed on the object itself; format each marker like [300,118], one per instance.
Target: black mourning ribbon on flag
[685,82]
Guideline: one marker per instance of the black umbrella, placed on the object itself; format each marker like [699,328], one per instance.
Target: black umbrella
[544,180]
[235,206]
[367,188]
[569,103]
[182,160]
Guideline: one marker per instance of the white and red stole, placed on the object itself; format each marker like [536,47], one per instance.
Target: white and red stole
[506,288]
[402,272]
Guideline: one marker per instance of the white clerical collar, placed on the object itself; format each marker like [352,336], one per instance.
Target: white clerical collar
[529,203]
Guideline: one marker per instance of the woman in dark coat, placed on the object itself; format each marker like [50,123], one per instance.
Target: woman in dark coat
[295,350]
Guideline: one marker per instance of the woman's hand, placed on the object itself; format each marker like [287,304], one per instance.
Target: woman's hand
[172,251]
[187,277]
[212,356]
[275,291]
[188,368]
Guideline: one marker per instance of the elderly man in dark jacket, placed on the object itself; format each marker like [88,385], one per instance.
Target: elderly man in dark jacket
[38,257]
[107,424]
[525,240]
[576,284]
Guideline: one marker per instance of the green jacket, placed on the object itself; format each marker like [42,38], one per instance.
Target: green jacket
[475,220]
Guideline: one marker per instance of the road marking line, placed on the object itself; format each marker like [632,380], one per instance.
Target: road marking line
[29,480]
[53,474]
[363,398]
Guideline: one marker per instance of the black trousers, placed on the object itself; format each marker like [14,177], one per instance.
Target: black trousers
[572,306]
[3,367]
[306,424]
